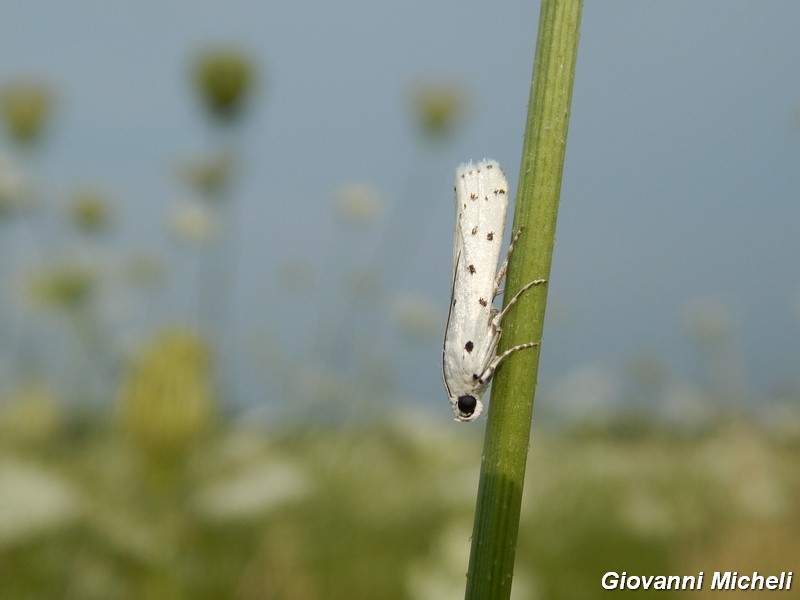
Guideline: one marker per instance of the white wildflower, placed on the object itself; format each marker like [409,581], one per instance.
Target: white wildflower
[359,203]
[33,501]
[194,223]
[252,491]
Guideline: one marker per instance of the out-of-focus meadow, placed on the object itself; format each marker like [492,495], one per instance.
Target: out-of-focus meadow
[127,472]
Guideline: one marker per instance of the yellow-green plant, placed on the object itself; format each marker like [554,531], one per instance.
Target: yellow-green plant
[166,398]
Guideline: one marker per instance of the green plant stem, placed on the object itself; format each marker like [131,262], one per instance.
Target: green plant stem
[494,538]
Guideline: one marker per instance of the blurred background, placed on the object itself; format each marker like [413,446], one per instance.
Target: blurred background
[225,253]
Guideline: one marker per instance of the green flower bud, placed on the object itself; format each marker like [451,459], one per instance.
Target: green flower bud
[25,108]
[224,78]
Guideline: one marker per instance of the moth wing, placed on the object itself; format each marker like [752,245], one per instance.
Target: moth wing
[482,194]
[481,202]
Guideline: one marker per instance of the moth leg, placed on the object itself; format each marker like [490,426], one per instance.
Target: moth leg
[499,317]
[502,272]
[488,372]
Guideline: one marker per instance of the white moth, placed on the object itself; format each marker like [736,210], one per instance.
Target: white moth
[469,357]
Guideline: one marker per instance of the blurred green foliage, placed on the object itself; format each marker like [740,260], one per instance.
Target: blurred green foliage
[381,511]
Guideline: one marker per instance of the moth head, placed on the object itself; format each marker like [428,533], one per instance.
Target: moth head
[467,407]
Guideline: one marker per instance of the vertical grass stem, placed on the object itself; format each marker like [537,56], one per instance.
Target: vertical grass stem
[505,451]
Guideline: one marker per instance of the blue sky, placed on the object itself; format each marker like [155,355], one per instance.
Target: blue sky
[681,179]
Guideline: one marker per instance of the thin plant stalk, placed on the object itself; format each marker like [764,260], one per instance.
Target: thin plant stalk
[496,527]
